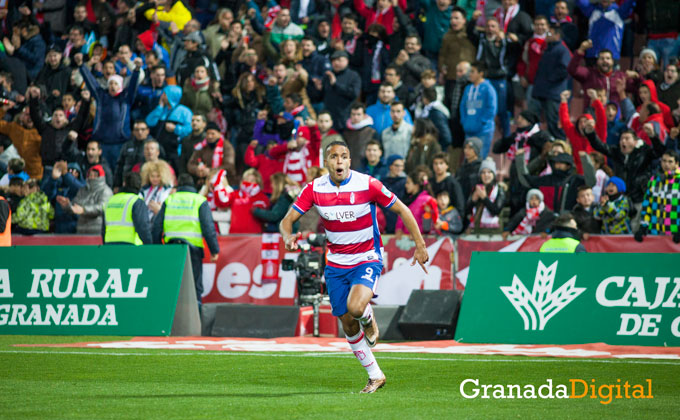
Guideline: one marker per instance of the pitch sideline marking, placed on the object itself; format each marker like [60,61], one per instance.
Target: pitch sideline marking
[533,359]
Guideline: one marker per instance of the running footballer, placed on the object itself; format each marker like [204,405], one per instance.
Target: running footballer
[346,201]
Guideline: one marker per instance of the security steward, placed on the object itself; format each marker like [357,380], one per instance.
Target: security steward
[5,223]
[185,218]
[565,236]
[126,216]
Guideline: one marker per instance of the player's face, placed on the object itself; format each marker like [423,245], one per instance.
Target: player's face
[439,166]
[337,162]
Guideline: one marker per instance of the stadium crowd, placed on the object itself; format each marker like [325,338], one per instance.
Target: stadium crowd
[464,109]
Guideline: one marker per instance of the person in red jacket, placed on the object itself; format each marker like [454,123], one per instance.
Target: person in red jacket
[382,13]
[532,53]
[575,133]
[241,202]
[265,162]
[647,93]
[651,117]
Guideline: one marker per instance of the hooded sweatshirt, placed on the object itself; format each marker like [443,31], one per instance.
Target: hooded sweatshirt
[577,139]
[175,113]
[665,109]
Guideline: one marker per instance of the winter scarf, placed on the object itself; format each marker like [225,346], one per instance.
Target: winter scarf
[521,138]
[218,153]
[526,226]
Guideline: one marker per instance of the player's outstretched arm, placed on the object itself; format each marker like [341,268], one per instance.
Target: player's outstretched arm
[410,222]
[286,229]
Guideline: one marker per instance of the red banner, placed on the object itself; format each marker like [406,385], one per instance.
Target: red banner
[237,275]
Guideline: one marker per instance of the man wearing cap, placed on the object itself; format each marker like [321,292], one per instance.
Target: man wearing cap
[340,87]
[212,152]
[185,218]
[55,76]
[90,201]
[195,56]
[126,217]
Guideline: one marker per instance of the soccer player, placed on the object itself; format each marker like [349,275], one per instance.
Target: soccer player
[346,201]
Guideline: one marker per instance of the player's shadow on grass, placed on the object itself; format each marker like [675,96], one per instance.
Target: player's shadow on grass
[216,395]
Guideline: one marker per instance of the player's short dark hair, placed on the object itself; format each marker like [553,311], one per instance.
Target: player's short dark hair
[325,111]
[133,181]
[335,143]
[397,102]
[413,35]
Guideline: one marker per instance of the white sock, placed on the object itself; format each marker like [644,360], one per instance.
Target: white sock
[367,316]
[365,356]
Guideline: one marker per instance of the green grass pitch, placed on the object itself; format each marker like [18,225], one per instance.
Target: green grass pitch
[77,383]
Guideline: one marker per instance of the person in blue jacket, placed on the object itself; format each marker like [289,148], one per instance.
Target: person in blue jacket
[605,27]
[380,110]
[478,107]
[111,125]
[170,122]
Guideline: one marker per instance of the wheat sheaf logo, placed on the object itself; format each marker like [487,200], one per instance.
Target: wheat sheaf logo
[538,306]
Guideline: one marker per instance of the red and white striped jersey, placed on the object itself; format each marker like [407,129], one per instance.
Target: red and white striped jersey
[348,215]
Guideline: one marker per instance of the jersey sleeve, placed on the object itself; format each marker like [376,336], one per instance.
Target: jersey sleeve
[380,194]
[305,200]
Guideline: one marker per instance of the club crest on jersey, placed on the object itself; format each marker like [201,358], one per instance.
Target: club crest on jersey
[351,198]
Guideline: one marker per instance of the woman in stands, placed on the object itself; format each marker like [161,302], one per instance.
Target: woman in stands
[284,191]
[486,201]
[157,185]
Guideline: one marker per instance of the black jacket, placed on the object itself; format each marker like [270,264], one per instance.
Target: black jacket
[140,220]
[635,168]
[467,176]
[204,216]
[55,146]
[452,186]
[338,97]
[586,221]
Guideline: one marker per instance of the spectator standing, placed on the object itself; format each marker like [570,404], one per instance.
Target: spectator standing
[169,122]
[478,107]
[551,79]
[396,139]
[605,25]
[112,120]
[658,217]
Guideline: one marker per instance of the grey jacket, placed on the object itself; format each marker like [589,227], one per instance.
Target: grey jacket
[93,198]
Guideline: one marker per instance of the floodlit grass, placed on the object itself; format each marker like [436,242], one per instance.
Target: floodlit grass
[75,383]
